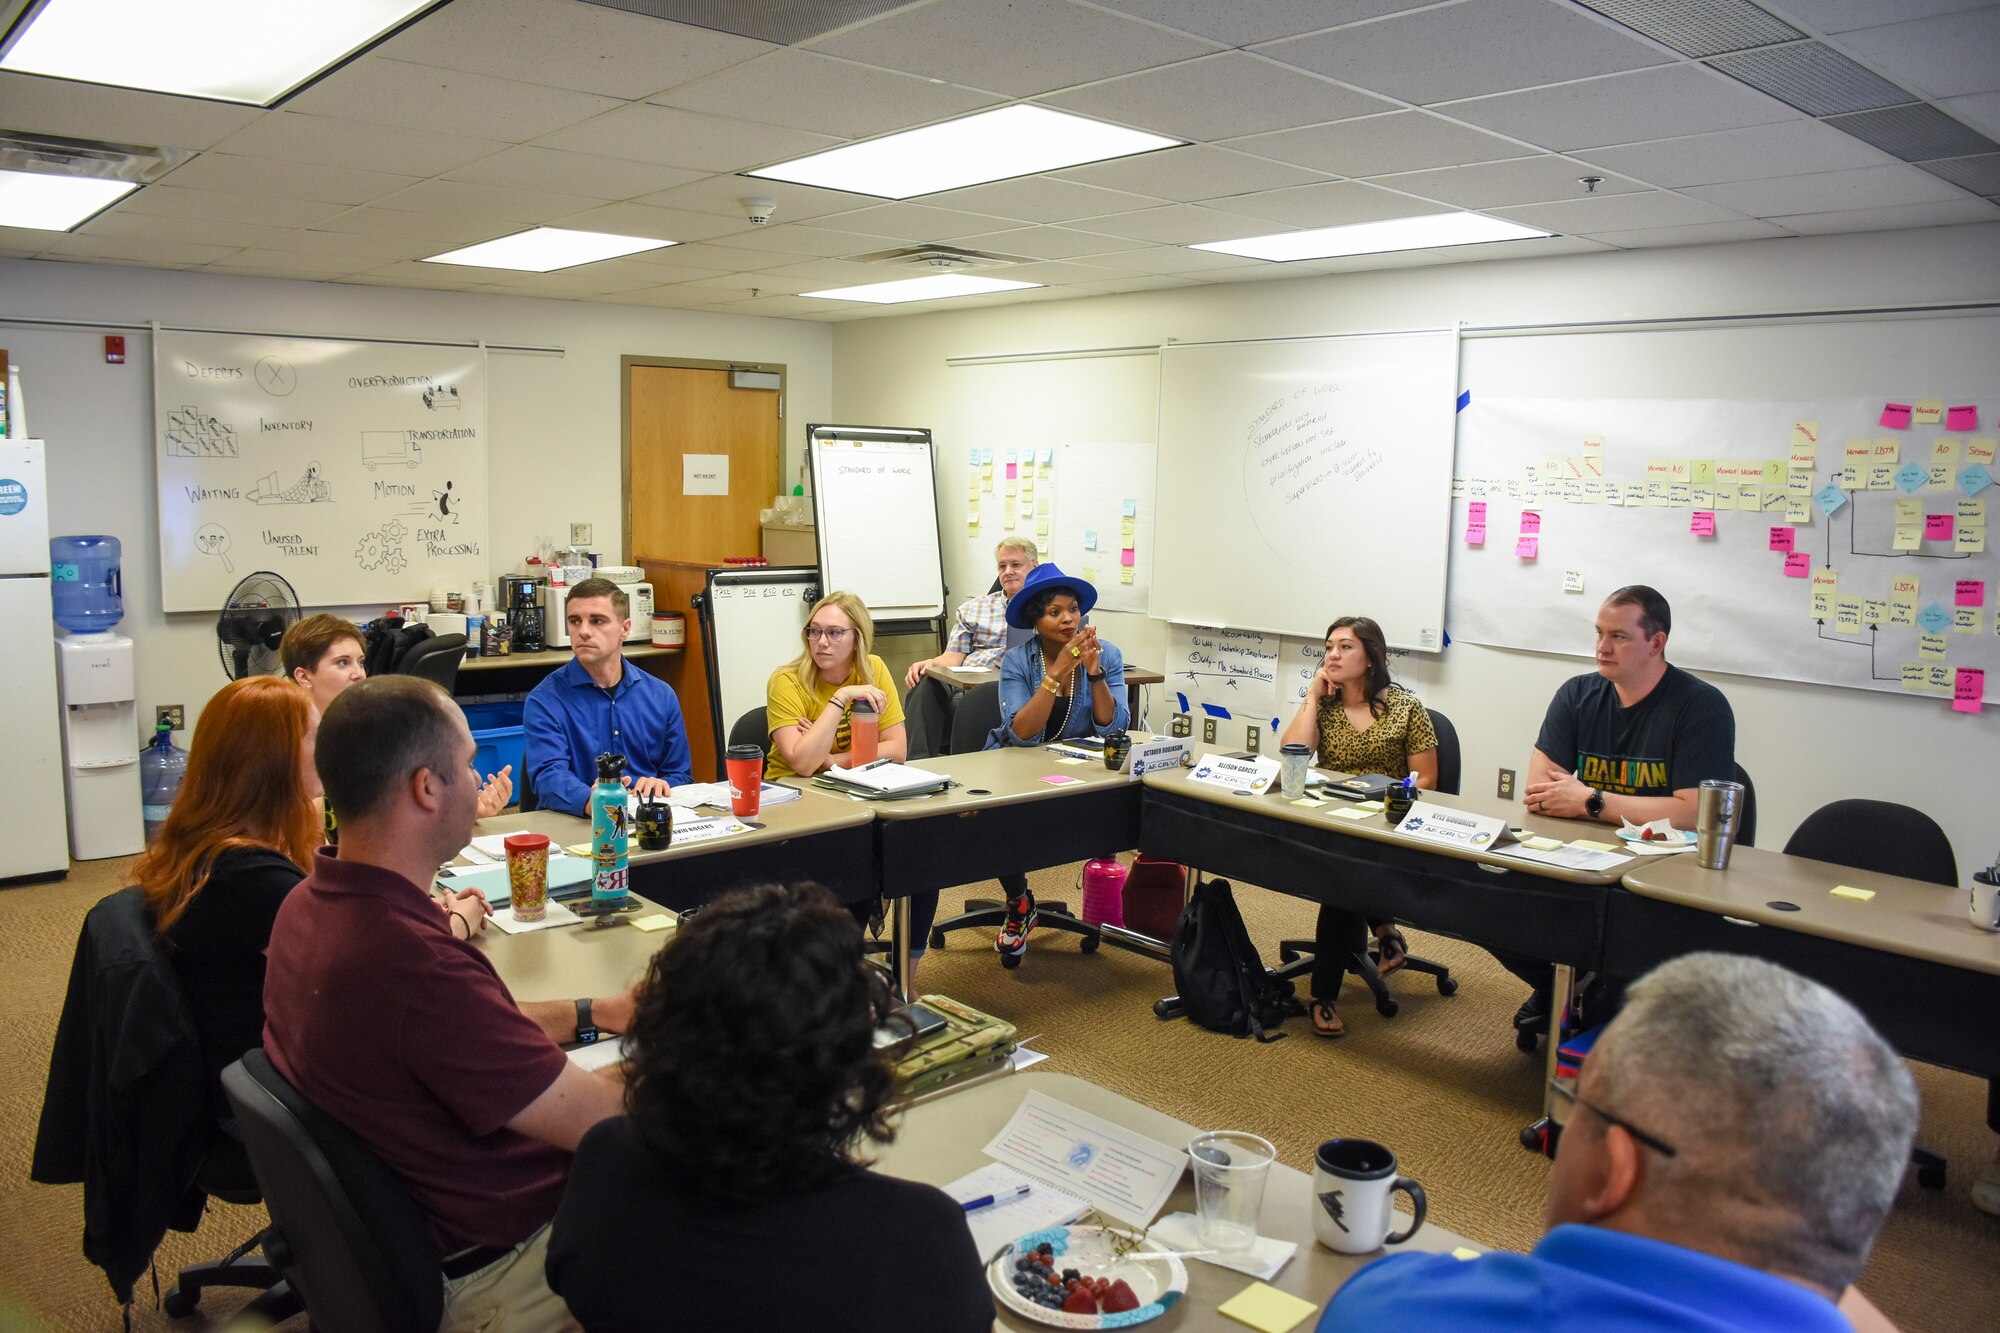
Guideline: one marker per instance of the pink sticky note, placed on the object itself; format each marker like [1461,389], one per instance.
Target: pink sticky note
[1970,592]
[1702,523]
[1798,565]
[1968,689]
[1061,780]
[1475,534]
[1125,556]
[1783,538]
[1962,418]
[1528,547]
[1896,416]
[1475,512]
[1531,522]
[1010,470]
[1937,527]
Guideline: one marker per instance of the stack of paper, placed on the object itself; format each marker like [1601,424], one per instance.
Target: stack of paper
[691,794]
[994,1225]
[884,780]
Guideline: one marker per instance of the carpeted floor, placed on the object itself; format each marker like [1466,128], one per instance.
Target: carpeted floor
[1441,1083]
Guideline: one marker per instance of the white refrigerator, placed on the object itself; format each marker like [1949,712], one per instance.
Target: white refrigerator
[33,812]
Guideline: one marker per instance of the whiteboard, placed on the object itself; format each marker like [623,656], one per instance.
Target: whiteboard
[1094,485]
[1304,479]
[876,504]
[1715,395]
[752,620]
[356,470]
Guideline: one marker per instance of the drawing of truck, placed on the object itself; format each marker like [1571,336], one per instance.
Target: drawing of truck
[389,448]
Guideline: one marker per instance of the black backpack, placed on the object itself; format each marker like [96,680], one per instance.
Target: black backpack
[1223,984]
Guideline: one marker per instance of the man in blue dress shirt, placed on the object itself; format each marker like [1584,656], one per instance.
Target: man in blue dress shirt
[1736,1139]
[597,705]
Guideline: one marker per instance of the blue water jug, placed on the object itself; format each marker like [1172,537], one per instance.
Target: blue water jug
[89,595]
[161,765]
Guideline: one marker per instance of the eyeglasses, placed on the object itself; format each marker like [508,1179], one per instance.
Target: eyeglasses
[1568,1094]
[814,634]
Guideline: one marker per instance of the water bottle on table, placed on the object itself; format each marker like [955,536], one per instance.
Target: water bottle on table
[609,844]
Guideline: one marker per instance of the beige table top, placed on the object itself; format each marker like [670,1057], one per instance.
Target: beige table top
[1906,916]
[814,812]
[966,677]
[943,1140]
[988,778]
[1376,827]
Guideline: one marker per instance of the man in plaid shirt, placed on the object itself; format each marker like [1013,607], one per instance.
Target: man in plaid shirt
[979,635]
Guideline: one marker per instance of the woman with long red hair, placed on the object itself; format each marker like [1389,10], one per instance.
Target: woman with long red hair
[240,834]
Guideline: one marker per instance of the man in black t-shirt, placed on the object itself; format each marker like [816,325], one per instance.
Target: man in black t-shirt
[1633,742]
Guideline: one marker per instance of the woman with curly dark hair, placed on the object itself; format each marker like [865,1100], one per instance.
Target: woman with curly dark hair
[730,1194]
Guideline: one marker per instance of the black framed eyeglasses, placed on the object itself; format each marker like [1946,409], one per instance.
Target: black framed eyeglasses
[1569,1094]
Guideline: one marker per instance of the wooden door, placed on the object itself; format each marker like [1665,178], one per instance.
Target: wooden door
[675,411]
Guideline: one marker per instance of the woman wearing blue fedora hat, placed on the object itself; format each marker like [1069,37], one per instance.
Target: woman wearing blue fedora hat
[1063,682]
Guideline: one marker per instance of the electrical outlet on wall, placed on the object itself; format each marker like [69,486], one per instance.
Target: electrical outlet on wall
[1506,784]
[1182,725]
[174,715]
[1251,739]
[579,534]
[1208,730]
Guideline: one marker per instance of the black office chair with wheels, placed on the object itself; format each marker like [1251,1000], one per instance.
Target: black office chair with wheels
[977,715]
[753,728]
[1746,823]
[525,798]
[1889,839]
[436,659]
[344,1229]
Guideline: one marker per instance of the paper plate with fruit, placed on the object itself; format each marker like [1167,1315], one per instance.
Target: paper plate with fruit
[1086,1277]
[1656,836]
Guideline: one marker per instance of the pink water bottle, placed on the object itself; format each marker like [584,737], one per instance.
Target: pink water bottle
[864,731]
[1104,893]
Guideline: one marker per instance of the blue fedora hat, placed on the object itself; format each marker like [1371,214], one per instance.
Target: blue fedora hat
[1044,578]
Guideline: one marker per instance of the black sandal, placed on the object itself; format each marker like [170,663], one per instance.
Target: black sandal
[1326,1020]
[1393,949]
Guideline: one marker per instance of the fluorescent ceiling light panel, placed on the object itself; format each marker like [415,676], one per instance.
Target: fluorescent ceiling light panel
[991,146]
[544,249]
[55,203]
[249,51]
[1367,238]
[922,289]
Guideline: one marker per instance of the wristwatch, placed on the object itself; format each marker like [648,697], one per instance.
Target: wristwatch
[586,1031]
[1095,675]
[1594,807]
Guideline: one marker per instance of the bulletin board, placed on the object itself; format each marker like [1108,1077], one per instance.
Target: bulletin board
[1758,477]
[357,470]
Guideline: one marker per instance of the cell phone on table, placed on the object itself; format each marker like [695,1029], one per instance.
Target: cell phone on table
[920,1022]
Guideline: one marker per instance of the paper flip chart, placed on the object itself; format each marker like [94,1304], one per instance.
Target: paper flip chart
[1527,547]
[1912,477]
[1969,592]
[1784,539]
[1798,564]
[1968,689]
[1937,527]
[1896,416]
[1930,411]
[1962,418]
[1702,523]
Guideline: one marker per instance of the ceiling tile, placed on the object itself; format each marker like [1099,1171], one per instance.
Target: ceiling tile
[1138,284]
[488,202]
[288,264]
[907,222]
[1950,214]
[528,168]
[1171,260]
[1497,251]
[784,307]
[1831,191]
[1181,224]
[284,180]
[1465,50]
[723,196]
[1041,199]
[1219,97]
[822,242]
[1952,55]
[382,91]
[776,284]
[807,91]
[678,297]
[1377,145]
[834,273]
[446,277]
[1618,212]
[121,115]
[583,280]
[677,138]
[1624,108]
[355,144]
[1199,171]
[1050,243]
[352,245]
[1243,22]
[446,231]
[1694,233]
[1829,16]
[711,259]
[164,200]
[1981,112]
[202,231]
[636,219]
[1525,180]
[1020,48]
[585,47]
[1332,204]
[1059,273]
[138,250]
[1788,148]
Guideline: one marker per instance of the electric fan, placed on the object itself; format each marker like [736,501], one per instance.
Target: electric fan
[254,619]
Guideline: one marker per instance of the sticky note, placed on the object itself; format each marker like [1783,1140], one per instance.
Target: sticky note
[1127,556]
[1881,476]
[1267,1309]
[1874,610]
[1979,450]
[1593,444]
[1475,511]
[1847,615]
[1937,678]
[985,456]
[1909,536]
[1961,418]
[1930,411]
[1351,812]
[1530,521]
[1933,618]
[1590,846]
[1971,512]
[1048,454]
[1527,548]
[1309,802]
[1126,526]
[1702,523]
[1773,471]
[1475,534]
[1702,471]
[1089,541]
[1798,564]
[1933,647]
[1131,509]
[582,849]
[657,921]
[1916,676]
[1974,479]
[1679,495]
[1805,444]
[1072,761]
[1464,1252]
[1896,416]
[1008,458]
[1831,500]
[1798,512]
[1013,488]
[1968,540]
[1042,504]
[1911,477]
[1125,576]
[1370,807]
[1062,779]
[1011,476]
[1937,527]
[1825,583]
[1783,539]
[1042,528]
[1572,580]
[1969,592]
[1541,844]
[1849,891]
[1967,620]
[1968,689]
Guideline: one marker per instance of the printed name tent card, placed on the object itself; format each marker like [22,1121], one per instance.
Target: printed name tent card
[1252,775]
[1452,828]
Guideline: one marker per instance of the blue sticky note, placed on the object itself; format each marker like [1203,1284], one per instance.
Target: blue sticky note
[1974,479]
[1131,509]
[973,458]
[1010,457]
[1090,541]
[1048,453]
[1933,618]
[1830,500]
[985,455]
[1911,477]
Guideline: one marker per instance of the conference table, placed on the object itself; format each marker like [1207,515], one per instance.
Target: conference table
[942,1140]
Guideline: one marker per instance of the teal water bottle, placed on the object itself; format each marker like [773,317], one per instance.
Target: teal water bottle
[608,835]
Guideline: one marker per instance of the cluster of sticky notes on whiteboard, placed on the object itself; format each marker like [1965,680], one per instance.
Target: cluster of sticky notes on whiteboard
[1018,482]
[1127,545]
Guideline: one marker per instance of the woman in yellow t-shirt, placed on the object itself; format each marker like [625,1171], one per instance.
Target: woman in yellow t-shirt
[809,701]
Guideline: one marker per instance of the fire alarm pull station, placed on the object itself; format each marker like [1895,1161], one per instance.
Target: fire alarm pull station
[114,349]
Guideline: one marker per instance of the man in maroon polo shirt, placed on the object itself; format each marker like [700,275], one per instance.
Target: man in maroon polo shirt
[379,1009]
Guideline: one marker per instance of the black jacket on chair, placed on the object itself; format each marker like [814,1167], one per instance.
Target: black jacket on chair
[125,1111]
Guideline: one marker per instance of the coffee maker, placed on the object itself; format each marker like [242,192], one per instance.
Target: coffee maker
[521,602]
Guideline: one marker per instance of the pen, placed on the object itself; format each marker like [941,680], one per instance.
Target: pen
[1005,1196]
[873,763]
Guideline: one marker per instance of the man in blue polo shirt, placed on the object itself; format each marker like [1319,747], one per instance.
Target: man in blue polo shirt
[596,705]
[1735,1141]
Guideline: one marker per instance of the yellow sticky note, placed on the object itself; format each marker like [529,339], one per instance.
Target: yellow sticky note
[1805,444]
[1849,891]
[582,849]
[1916,676]
[1126,526]
[1068,760]
[1464,1252]
[1267,1309]
[1967,540]
[1967,619]
[1370,806]
[1590,846]
[657,921]
[1541,844]
[1125,575]
[1352,813]
[1309,802]
[1930,412]
[1847,615]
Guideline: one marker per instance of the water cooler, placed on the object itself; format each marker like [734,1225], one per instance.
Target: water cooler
[100,745]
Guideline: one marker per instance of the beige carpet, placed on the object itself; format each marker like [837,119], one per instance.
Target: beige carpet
[1441,1083]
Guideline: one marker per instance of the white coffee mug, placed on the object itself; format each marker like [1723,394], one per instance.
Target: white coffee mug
[1985,909]
[1354,1184]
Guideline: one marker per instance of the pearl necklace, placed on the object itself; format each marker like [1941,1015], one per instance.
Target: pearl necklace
[1069,697]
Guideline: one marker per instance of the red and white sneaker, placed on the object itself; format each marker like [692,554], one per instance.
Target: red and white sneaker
[1012,941]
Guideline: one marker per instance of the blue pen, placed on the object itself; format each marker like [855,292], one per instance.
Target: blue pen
[1005,1196]
[1409,781]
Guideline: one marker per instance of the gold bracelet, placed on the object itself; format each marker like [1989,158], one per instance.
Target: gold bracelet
[1050,684]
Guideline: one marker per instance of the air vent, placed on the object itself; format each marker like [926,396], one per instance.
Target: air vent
[786,24]
[1981,174]
[1814,78]
[49,155]
[1916,133]
[1699,28]
[940,258]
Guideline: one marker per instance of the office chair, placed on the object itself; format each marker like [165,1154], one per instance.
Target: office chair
[753,728]
[1746,823]
[524,789]
[436,659]
[344,1229]
[977,715]
[1888,839]
[1296,957]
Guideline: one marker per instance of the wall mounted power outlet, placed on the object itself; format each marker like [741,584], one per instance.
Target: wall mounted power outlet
[1506,784]
[1208,730]
[1182,725]
[579,534]
[1252,739]
[174,715]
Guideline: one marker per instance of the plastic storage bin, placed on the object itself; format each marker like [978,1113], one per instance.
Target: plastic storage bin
[496,730]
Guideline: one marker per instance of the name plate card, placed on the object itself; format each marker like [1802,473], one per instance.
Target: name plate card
[1252,775]
[1153,756]
[1452,828]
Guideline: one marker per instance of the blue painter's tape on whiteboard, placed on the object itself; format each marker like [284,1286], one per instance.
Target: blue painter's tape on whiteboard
[1215,710]
[1184,701]
[1465,400]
